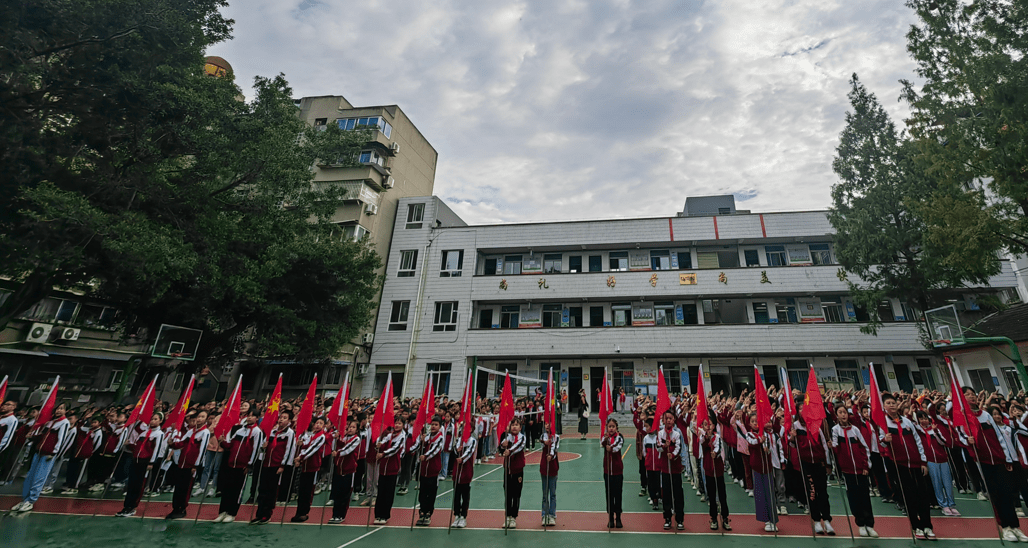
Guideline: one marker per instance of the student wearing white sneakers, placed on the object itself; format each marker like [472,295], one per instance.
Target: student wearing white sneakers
[49,438]
[853,456]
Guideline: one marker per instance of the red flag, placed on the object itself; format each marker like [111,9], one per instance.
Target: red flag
[230,417]
[877,409]
[550,408]
[144,407]
[384,417]
[337,413]
[788,403]
[303,418]
[3,389]
[426,409]
[702,415]
[962,414]
[47,411]
[606,402]
[506,406]
[764,411]
[813,406]
[663,400]
[271,411]
[178,414]
[467,407]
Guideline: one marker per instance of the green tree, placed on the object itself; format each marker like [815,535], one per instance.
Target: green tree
[879,217]
[136,177]
[970,119]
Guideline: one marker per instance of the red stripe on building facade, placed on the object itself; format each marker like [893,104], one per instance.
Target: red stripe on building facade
[671,229]
[716,236]
[762,229]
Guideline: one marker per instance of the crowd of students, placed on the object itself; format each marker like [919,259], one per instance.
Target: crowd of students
[913,459]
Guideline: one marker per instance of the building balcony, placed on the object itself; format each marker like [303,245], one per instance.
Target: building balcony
[740,340]
[373,175]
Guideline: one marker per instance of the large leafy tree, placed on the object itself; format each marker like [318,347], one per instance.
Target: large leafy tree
[878,213]
[131,175]
[970,119]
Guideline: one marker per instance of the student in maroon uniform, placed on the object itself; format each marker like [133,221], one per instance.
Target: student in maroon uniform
[87,442]
[144,454]
[902,446]
[343,481]
[713,450]
[278,452]
[670,448]
[512,448]
[192,444]
[463,472]
[651,456]
[613,472]
[812,451]
[390,446]
[761,463]
[549,467]
[101,466]
[308,462]
[241,446]
[639,417]
[431,462]
[49,439]
[853,454]
[941,486]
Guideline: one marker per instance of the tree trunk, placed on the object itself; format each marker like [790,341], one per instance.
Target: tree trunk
[35,288]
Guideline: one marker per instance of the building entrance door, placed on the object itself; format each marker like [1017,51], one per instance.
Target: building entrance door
[574,385]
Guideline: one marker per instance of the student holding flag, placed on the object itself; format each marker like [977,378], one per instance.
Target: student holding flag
[346,449]
[240,449]
[812,449]
[48,435]
[279,448]
[853,454]
[613,472]
[670,449]
[145,453]
[465,447]
[308,462]
[549,464]
[431,462]
[192,444]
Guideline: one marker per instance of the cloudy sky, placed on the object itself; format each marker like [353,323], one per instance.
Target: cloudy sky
[558,109]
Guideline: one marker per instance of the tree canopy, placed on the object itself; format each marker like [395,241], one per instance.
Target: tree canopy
[135,177]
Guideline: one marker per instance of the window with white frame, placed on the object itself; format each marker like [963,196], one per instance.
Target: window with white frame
[445,316]
[415,215]
[664,313]
[660,259]
[776,255]
[452,264]
[551,315]
[512,264]
[371,157]
[440,374]
[354,232]
[820,254]
[551,263]
[398,316]
[618,261]
[408,263]
[370,122]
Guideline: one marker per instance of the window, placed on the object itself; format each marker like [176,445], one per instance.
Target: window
[595,263]
[415,215]
[622,313]
[624,377]
[453,263]
[724,211]
[354,232]
[512,264]
[672,377]
[786,311]
[776,255]
[490,267]
[551,263]
[575,316]
[797,370]
[45,310]
[760,314]
[848,373]
[728,259]
[440,375]
[408,263]
[66,312]
[752,257]
[485,319]
[575,263]
[371,157]
[95,315]
[833,312]
[664,313]
[689,314]
[618,261]
[820,254]
[398,316]
[684,260]
[509,316]
[885,311]
[321,124]
[551,315]
[371,122]
[445,316]
[660,260]
[706,259]
[595,316]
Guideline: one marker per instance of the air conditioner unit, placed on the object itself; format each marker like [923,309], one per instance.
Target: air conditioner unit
[39,333]
[369,338]
[362,371]
[371,209]
[395,147]
[70,334]
[388,183]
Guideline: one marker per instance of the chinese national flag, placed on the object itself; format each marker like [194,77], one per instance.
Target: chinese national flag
[230,417]
[337,413]
[144,407]
[303,418]
[467,407]
[788,403]
[47,411]
[3,389]
[813,406]
[178,414]
[764,411]
[663,400]
[962,414]
[506,406]
[384,417]
[271,411]
[426,409]
[550,408]
[877,409]
[606,401]
[702,415]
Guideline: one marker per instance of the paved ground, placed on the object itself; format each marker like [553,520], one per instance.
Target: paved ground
[67,521]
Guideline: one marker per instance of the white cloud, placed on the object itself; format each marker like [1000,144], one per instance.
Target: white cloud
[590,109]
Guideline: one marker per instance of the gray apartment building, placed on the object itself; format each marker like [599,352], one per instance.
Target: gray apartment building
[710,285]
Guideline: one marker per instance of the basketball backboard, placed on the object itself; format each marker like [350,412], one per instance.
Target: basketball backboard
[177,343]
[944,327]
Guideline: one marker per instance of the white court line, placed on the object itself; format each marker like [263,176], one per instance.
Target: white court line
[372,532]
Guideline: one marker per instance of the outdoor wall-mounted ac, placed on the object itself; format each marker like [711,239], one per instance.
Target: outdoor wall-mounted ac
[70,334]
[39,333]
